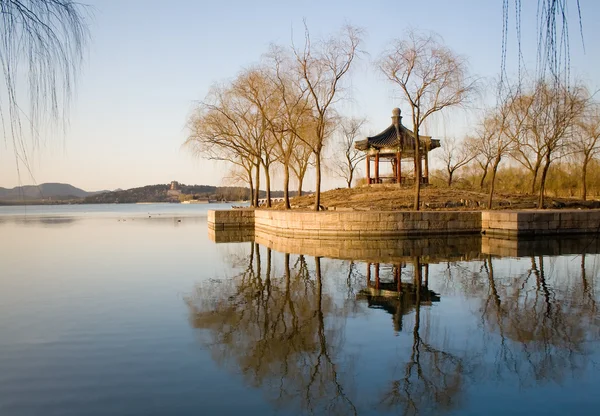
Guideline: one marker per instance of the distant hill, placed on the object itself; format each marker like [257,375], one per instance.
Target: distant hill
[57,193]
[45,191]
[161,193]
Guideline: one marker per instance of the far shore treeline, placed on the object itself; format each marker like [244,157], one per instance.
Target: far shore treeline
[162,193]
[68,194]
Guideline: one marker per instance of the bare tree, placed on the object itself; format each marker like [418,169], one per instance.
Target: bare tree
[456,155]
[294,113]
[484,149]
[500,144]
[300,162]
[41,41]
[586,141]
[431,77]
[255,88]
[225,127]
[347,157]
[556,108]
[528,149]
[321,71]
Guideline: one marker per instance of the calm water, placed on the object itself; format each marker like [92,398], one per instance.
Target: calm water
[133,310]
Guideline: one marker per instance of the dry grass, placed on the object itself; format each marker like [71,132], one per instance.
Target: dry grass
[393,197]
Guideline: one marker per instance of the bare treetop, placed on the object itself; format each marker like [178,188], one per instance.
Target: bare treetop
[430,74]
[322,68]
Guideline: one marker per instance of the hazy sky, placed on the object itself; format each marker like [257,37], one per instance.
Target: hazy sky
[150,61]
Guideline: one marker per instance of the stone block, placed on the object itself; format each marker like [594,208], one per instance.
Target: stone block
[438,225]
[356,216]
[310,226]
[389,217]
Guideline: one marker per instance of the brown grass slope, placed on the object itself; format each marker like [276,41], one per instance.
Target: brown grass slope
[393,197]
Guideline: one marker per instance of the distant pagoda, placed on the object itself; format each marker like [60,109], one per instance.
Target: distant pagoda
[397,145]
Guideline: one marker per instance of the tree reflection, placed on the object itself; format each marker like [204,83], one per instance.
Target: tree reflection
[284,333]
[432,378]
[544,326]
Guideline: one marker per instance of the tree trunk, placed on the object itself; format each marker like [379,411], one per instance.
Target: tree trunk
[268,185]
[417,197]
[257,185]
[493,182]
[286,185]
[485,171]
[318,181]
[450,173]
[251,184]
[350,171]
[543,181]
[584,178]
[536,170]
[300,180]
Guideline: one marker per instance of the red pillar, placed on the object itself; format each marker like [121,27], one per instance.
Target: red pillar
[377,167]
[398,168]
[368,169]
[377,276]
[368,274]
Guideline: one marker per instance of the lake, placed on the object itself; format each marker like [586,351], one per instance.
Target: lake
[134,310]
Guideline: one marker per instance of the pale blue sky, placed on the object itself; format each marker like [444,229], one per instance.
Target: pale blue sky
[149,61]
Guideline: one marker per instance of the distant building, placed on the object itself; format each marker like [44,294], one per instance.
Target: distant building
[174,192]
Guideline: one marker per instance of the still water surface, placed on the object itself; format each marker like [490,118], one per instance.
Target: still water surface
[133,310]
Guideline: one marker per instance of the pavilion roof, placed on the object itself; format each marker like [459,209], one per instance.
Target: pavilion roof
[395,138]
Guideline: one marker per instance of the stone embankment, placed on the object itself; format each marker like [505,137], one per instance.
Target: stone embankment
[386,224]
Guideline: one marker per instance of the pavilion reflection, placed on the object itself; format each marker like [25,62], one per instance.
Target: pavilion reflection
[391,292]
[279,323]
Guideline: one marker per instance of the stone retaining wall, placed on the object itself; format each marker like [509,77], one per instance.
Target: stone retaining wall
[365,224]
[388,224]
[231,219]
[528,223]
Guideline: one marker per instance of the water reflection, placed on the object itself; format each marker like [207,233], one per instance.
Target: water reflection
[548,317]
[282,322]
[281,332]
[46,221]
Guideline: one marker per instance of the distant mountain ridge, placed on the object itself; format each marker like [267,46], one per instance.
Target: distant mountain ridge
[58,193]
[44,191]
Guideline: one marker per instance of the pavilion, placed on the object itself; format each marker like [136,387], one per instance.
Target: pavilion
[396,144]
